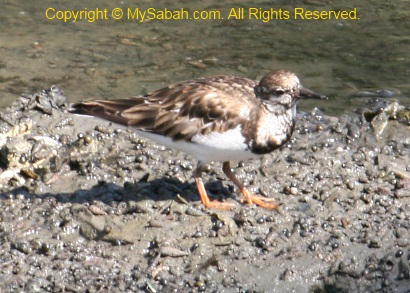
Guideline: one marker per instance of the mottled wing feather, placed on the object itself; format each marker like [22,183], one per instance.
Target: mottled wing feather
[112,110]
[182,110]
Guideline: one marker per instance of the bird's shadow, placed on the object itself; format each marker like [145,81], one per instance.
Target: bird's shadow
[158,190]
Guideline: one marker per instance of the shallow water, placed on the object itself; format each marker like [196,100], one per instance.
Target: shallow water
[112,59]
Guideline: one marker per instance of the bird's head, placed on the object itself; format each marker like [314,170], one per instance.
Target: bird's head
[283,88]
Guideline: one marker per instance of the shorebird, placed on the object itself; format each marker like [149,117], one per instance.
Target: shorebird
[219,118]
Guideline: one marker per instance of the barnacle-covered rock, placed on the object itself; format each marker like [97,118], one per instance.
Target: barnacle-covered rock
[387,118]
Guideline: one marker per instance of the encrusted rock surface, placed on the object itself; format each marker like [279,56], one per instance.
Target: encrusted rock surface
[88,206]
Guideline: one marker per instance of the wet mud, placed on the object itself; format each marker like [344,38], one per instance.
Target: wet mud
[88,206]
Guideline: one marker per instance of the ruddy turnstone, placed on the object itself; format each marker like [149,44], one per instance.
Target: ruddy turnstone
[220,118]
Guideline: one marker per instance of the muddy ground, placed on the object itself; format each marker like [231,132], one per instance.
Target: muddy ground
[87,206]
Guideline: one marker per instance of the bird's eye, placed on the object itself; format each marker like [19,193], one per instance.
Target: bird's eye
[278,92]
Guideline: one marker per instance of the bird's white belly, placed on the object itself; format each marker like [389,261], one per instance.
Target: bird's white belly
[225,146]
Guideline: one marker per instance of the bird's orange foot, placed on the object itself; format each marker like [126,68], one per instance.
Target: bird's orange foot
[207,202]
[251,198]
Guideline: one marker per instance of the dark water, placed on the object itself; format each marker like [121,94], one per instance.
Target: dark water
[108,58]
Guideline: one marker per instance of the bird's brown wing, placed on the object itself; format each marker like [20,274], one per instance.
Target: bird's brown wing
[182,110]
[112,110]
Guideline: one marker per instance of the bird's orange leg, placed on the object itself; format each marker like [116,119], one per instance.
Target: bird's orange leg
[204,196]
[249,197]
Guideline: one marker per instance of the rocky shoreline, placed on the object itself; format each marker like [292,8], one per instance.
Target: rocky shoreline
[90,206]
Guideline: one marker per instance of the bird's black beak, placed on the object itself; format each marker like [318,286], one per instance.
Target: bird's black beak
[308,94]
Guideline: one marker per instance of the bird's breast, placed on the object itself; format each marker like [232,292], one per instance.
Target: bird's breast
[272,131]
